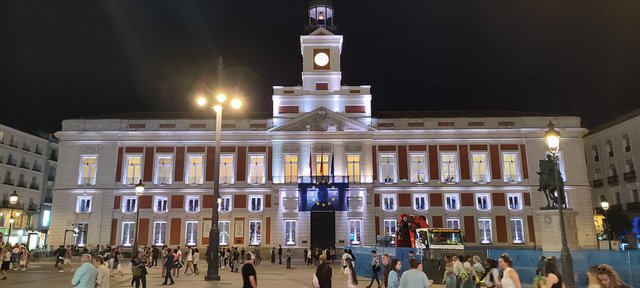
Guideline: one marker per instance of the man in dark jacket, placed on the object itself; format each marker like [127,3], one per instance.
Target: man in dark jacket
[155,254]
[280,254]
[168,264]
[323,272]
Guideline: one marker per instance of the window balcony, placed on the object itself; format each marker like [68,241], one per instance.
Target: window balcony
[8,181]
[34,186]
[22,184]
[48,199]
[162,181]
[131,181]
[511,179]
[480,179]
[51,178]
[12,162]
[194,181]
[613,180]
[36,168]
[24,165]
[6,204]
[627,148]
[291,180]
[14,144]
[597,183]
[633,206]
[33,207]
[88,181]
[26,148]
[226,180]
[449,180]
[388,180]
[630,176]
[256,180]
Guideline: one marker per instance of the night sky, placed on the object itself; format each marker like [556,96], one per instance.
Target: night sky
[68,59]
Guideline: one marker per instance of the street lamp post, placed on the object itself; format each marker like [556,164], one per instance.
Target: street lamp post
[214,232]
[552,139]
[605,207]
[13,199]
[139,191]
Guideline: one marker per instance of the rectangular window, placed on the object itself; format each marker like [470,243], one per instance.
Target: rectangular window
[514,201]
[195,170]
[629,165]
[322,164]
[613,171]
[452,202]
[353,168]
[484,225]
[453,223]
[355,231]
[255,203]
[616,195]
[225,204]
[390,229]
[291,168]
[224,232]
[634,195]
[517,230]
[418,168]
[594,153]
[159,233]
[420,202]
[226,169]
[133,169]
[191,238]
[83,204]
[256,169]
[387,168]
[129,204]
[289,232]
[626,143]
[510,168]
[83,230]
[389,202]
[483,201]
[160,204]
[597,173]
[449,168]
[193,204]
[88,169]
[255,232]
[164,169]
[609,146]
[480,168]
[128,229]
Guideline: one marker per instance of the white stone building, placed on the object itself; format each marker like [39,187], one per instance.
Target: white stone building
[28,167]
[468,170]
[613,151]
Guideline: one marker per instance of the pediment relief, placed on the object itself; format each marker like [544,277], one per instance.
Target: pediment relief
[323,120]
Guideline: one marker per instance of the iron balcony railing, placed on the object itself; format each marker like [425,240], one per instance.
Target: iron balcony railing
[194,180]
[88,181]
[256,180]
[633,206]
[24,165]
[320,179]
[12,161]
[630,176]
[8,181]
[163,181]
[613,180]
[598,183]
[33,207]
[130,181]
[22,184]
[6,204]
[34,186]
[226,180]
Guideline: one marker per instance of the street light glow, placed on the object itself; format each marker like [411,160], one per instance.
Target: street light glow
[236,103]
[201,101]
[552,139]
[221,98]
[604,205]
[13,199]
[217,108]
[139,188]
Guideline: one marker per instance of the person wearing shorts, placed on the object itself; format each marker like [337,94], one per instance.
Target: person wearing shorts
[6,262]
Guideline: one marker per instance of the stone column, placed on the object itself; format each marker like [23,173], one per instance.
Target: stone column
[548,229]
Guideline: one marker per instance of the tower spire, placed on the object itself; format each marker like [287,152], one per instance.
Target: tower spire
[321,16]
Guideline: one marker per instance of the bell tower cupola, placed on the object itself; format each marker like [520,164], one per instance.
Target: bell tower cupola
[321,16]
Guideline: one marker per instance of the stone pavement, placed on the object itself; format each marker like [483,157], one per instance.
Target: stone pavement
[43,274]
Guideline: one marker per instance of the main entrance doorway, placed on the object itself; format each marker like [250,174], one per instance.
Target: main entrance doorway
[323,229]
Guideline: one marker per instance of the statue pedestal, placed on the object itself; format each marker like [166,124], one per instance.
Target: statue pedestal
[548,231]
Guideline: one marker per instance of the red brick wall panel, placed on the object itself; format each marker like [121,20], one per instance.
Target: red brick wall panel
[477,147]
[374,158]
[501,229]
[464,162]
[404,200]
[179,169]
[267,201]
[525,166]
[239,201]
[469,229]
[177,201]
[116,202]
[402,163]
[145,201]
[176,227]
[448,148]
[267,234]
[434,172]
[435,200]
[269,164]
[467,200]
[377,224]
[495,162]
[148,164]
[527,199]
[114,231]
[119,165]
[436,222]
[376,200]
[497,199]
[143,231]
[211,163]
[417,147]
[208,202]
[532,230]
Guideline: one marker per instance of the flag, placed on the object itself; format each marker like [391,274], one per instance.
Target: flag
[311,163]
[331,169]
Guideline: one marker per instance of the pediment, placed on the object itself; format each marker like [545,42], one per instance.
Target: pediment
[323,120]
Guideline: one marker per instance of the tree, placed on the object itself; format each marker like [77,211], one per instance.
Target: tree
[617,224]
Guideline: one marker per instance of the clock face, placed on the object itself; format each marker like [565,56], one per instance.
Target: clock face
[321,59]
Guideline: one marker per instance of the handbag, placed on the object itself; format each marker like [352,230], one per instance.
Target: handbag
[136,271]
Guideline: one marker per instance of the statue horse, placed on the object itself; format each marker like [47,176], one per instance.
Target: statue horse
[548,182]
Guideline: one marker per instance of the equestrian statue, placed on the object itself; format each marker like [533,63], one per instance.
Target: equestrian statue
[548,182]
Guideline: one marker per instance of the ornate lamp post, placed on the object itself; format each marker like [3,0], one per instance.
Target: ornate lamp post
[605,207]
[214,233]
[13,199]
[139,191]
[552,140]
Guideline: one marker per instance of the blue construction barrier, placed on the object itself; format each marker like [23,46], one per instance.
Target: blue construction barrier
[363,257]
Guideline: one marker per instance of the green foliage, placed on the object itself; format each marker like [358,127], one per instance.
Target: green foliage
[617,224]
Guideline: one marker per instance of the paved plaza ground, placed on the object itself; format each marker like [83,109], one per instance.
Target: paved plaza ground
[43,274]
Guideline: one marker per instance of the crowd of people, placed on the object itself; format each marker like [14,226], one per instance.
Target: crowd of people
[14,257]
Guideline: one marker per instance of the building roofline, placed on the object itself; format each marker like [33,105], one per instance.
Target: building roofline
[615,121]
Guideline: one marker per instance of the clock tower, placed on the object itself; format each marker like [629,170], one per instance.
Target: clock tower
[321,73]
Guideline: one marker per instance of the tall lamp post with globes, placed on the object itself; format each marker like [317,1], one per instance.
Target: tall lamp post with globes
[605,207]
[13,199]
[214,232]
[552,140]
[139,191]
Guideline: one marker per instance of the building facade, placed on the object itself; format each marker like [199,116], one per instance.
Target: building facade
[322,169]
[28,166]
[612,151]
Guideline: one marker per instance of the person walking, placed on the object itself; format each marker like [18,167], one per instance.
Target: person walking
[458,268]
[103,279]
[469,275]
[68,257]
[86,275]
[235,259]
[15,256]
[351,279]
[375,268]
[155,254]
[168,266]
[553,277]
[280,254]
[60,253]
[414,278]
[492,278]
[139,269]
[345,255]
[609,278]
[196,259]
[249,274]
[242,255]
[540,265]
[323,273]
[165,251]
[6,261]
[480,271]
[449,278]
[393,280]
[288,258]
[273,255]
[510,278]
[24,258]
[115,267]
[189,257]
[177,256]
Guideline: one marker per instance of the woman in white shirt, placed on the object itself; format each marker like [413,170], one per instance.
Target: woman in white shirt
[103,272]
[196,258]
[350,273]
[510,278]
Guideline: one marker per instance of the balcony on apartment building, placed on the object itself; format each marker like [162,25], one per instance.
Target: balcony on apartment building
[630,176]
[613,180]
[6,204]
[633,206]
[597,183]
[319,179]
